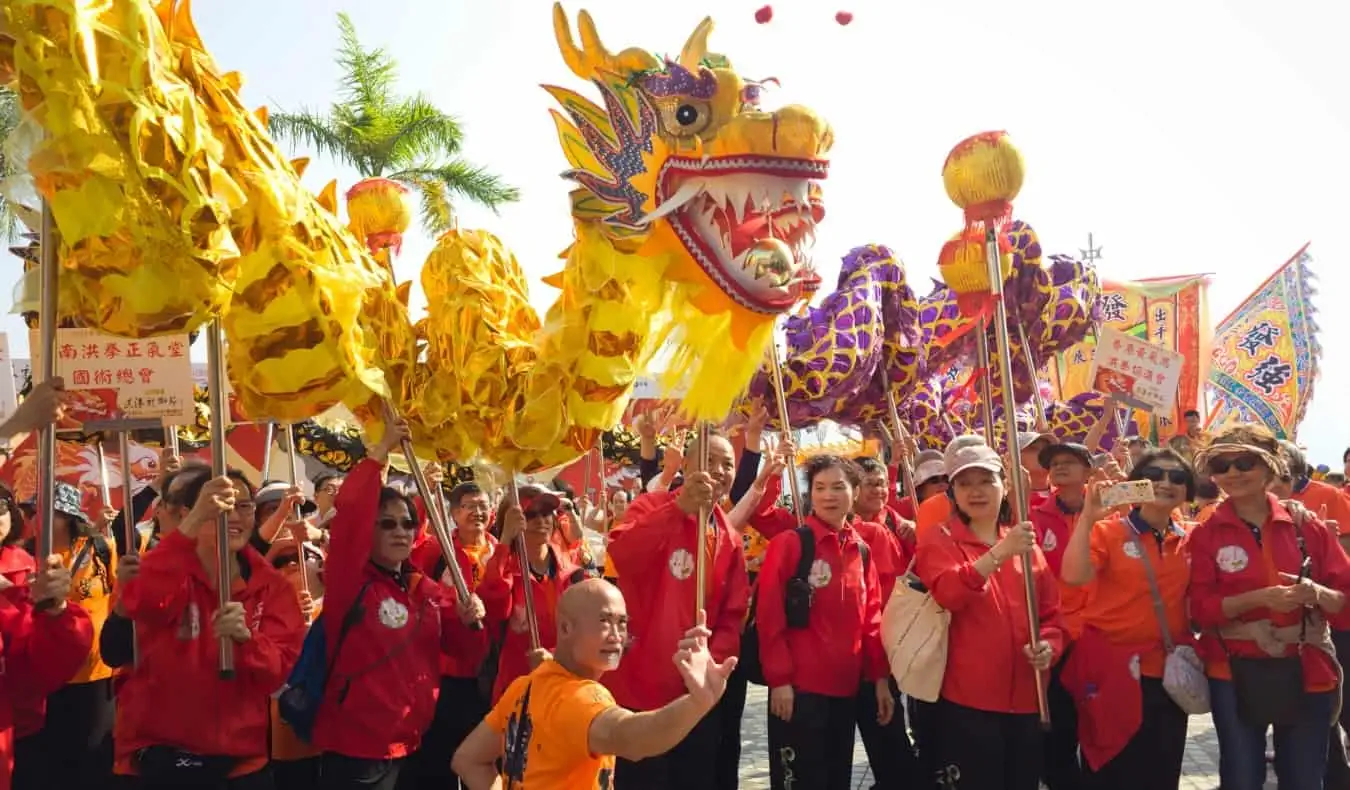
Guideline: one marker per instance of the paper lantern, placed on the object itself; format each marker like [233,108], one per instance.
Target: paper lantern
[963,265]
[379,210]
[983,175]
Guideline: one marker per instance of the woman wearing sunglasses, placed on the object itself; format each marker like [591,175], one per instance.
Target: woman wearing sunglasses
[384,674]
[1264,581]
[1135,616]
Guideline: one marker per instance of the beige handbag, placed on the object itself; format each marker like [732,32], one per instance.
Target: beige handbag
[914,633]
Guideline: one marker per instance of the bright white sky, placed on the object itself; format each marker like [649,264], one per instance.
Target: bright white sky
[1186,136]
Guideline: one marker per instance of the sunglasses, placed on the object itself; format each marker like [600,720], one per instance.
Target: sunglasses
[1177,477]
[390,524]
[534,513]
[1242,463]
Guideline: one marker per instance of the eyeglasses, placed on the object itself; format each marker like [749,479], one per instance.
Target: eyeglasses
[391,524]
[1242,463]
[1177,477]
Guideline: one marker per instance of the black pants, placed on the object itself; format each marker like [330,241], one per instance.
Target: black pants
[460,706]
[74,748]
[258,780]
[922,723]
[1152,758]
[813,751]
[1338,763]
[296,774]
[692,763]
[339,772]
[983,750]
[729,712]
[1062,770]
[889,752]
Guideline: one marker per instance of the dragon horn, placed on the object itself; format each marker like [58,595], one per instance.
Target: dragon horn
[697,45]
[581,62]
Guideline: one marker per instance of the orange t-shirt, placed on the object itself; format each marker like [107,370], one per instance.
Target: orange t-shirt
[933,512]
[544,719]
[1318,495]
[91,589]
[1122,605]
[479,555]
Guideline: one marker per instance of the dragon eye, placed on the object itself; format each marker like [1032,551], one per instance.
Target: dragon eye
[686,115]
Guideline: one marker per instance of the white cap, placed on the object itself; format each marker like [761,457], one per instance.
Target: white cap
[971,456]
[1027,438]
[928,470]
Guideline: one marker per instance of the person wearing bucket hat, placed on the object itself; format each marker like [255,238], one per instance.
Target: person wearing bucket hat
[984,726]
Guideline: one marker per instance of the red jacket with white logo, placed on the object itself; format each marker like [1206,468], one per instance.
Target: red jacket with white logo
[986,666]
[382,691]
[39,653]
[842,646]
[504,599]
[653,548]
[29,704]
[1053,528]
[175,695]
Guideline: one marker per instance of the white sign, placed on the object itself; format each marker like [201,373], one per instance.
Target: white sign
[1136,372]
[9,399]
[1130,492]
[649,388]
[122,378]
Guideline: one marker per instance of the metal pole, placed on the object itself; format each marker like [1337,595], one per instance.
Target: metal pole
[704,514]
[1019,494]
[1042,420]
[128,519]
[786,428]
[526,577]
[47,322]
[268,437]
[438,527]
[986,385]
[905,461]
[215,372]
[171,441]
[292,474]
[105,488]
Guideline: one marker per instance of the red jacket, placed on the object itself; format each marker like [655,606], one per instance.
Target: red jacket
[1054,527]
[842,646]
[39,653]
[890,559]
[426,557]
[654,547]
[30,705]
[1226,561]
[382,691]
[175,695]
[986,666]
[504,599]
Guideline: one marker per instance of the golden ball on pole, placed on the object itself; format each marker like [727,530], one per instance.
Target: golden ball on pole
[983,175]
[771,259]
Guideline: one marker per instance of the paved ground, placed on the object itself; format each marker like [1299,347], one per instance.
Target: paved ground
[1201,767]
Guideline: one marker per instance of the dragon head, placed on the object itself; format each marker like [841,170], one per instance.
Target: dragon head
[681,159]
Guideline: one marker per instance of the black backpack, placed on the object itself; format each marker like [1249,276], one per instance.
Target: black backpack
[797,601]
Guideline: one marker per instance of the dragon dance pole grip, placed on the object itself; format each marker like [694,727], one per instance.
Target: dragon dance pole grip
[269,435]
[47,320]
[786,427]
[1042,419]
[438,526]
[1019,494]
[531,618]
[906,461]
[215,372]
[292,474]
[104,486]
[704,515]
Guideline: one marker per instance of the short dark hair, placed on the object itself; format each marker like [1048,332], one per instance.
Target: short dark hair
[1294,458]
[390,494]
[1152,457]
[16,522]
[869,465]
[820,463]
[324,477]
[1345,456]
[193,489]
[1191,413]
[459,492]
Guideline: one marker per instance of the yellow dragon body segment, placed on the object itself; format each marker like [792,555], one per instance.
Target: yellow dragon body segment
[311,319]
[680,179]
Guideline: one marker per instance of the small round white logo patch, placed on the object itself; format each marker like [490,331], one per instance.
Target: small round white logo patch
[1132,550]
[393,614]
[1231,559]
[820,574]
[681,564]
[1048,541]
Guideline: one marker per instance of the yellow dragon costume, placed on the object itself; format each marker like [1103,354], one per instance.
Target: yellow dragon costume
[679,178]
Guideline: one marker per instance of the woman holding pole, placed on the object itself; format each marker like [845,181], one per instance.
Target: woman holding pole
[986,726]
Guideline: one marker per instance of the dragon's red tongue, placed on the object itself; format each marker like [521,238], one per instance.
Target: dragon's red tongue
[744,235]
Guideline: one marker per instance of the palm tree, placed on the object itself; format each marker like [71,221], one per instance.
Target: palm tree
[10,116]
[380,133]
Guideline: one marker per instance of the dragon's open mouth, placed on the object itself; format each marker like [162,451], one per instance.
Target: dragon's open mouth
[721,208]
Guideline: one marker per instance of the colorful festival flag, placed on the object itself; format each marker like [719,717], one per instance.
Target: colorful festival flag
[1171,312]
[1266,354]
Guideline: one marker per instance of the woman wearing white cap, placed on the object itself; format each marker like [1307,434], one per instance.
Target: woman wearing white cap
[985,726]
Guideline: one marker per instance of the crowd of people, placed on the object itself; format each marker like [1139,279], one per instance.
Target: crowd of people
[580,658]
